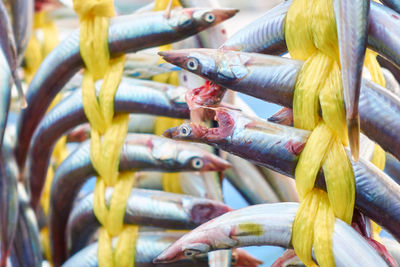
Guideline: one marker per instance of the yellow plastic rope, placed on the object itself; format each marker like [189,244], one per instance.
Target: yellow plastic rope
[170,181]
[108,132]
[311,36]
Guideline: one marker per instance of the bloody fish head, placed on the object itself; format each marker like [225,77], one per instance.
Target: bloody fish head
[225,118]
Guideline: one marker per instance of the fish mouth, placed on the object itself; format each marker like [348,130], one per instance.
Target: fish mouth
[171,133]
[223,14]
[175,57]
[214,163]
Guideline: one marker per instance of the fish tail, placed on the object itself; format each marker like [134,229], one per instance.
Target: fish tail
[353,128]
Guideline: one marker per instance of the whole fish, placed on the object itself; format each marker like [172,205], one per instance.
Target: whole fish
[266,224]
[393,4]
[278,147]
[5,94]
[250,183]
[144,207]
[352,25]
[127,34]
[26,244]
[9,200]
[273,79]
[22,11]
[140,152]
[7,44]
[149,245]
[130,97]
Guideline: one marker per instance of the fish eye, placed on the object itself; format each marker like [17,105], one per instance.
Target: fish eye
[189,253]
[184,130]
[209,17]
[234,260]
[192,64]
[197,163]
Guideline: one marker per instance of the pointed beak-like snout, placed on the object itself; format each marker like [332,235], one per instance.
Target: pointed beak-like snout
[224,14]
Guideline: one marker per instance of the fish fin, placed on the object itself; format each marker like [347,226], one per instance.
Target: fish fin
[353,128]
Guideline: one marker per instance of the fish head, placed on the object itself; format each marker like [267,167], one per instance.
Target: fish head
[197,132]
[198,159]
[203,210]
[188,247]
[186,157]
[222,67]
[241,258]
[197,19]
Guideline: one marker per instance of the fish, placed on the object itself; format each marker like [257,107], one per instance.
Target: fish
[153,98]
[393,4]
[128,34]
[266,224]
[144,207]
[22,11]
[249,182]
[5,85]
[273,79]
[278,147]
[393,248]
[9,200]
[7,44]
[26,244]
[352,27]
[140,152]
[149,245]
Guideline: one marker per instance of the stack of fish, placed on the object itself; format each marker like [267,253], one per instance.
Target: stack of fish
[258,157]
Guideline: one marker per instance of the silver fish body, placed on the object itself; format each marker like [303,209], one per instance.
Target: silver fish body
[248,180]
[352,25]
[144,207]
[140,152]
[149,245]
[9,200]
[267,224]
[278,147]
[22,11]
[393,4]
[126,34]
[273,79]
[392,168]
[5,94]
[153,98]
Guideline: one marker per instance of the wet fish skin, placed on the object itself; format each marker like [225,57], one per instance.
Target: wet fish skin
[352,25]
[273,79]
[263,35]
[140,152]
[266,224]
[393,4]
[7,44]
[26,244]
[248,180]
[392,168]
[5,94]
[278,147]
[22,11]
[144,207]
[9,200]
[145,97]
[127,34]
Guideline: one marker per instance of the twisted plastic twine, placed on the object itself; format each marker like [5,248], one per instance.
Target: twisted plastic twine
[108,132]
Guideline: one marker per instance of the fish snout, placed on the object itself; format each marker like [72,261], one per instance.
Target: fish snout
[171,133]
[223,14]
[175,57]
[215,163]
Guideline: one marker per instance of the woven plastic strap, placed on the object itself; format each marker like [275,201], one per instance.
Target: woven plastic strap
[108,132]
[311,36]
